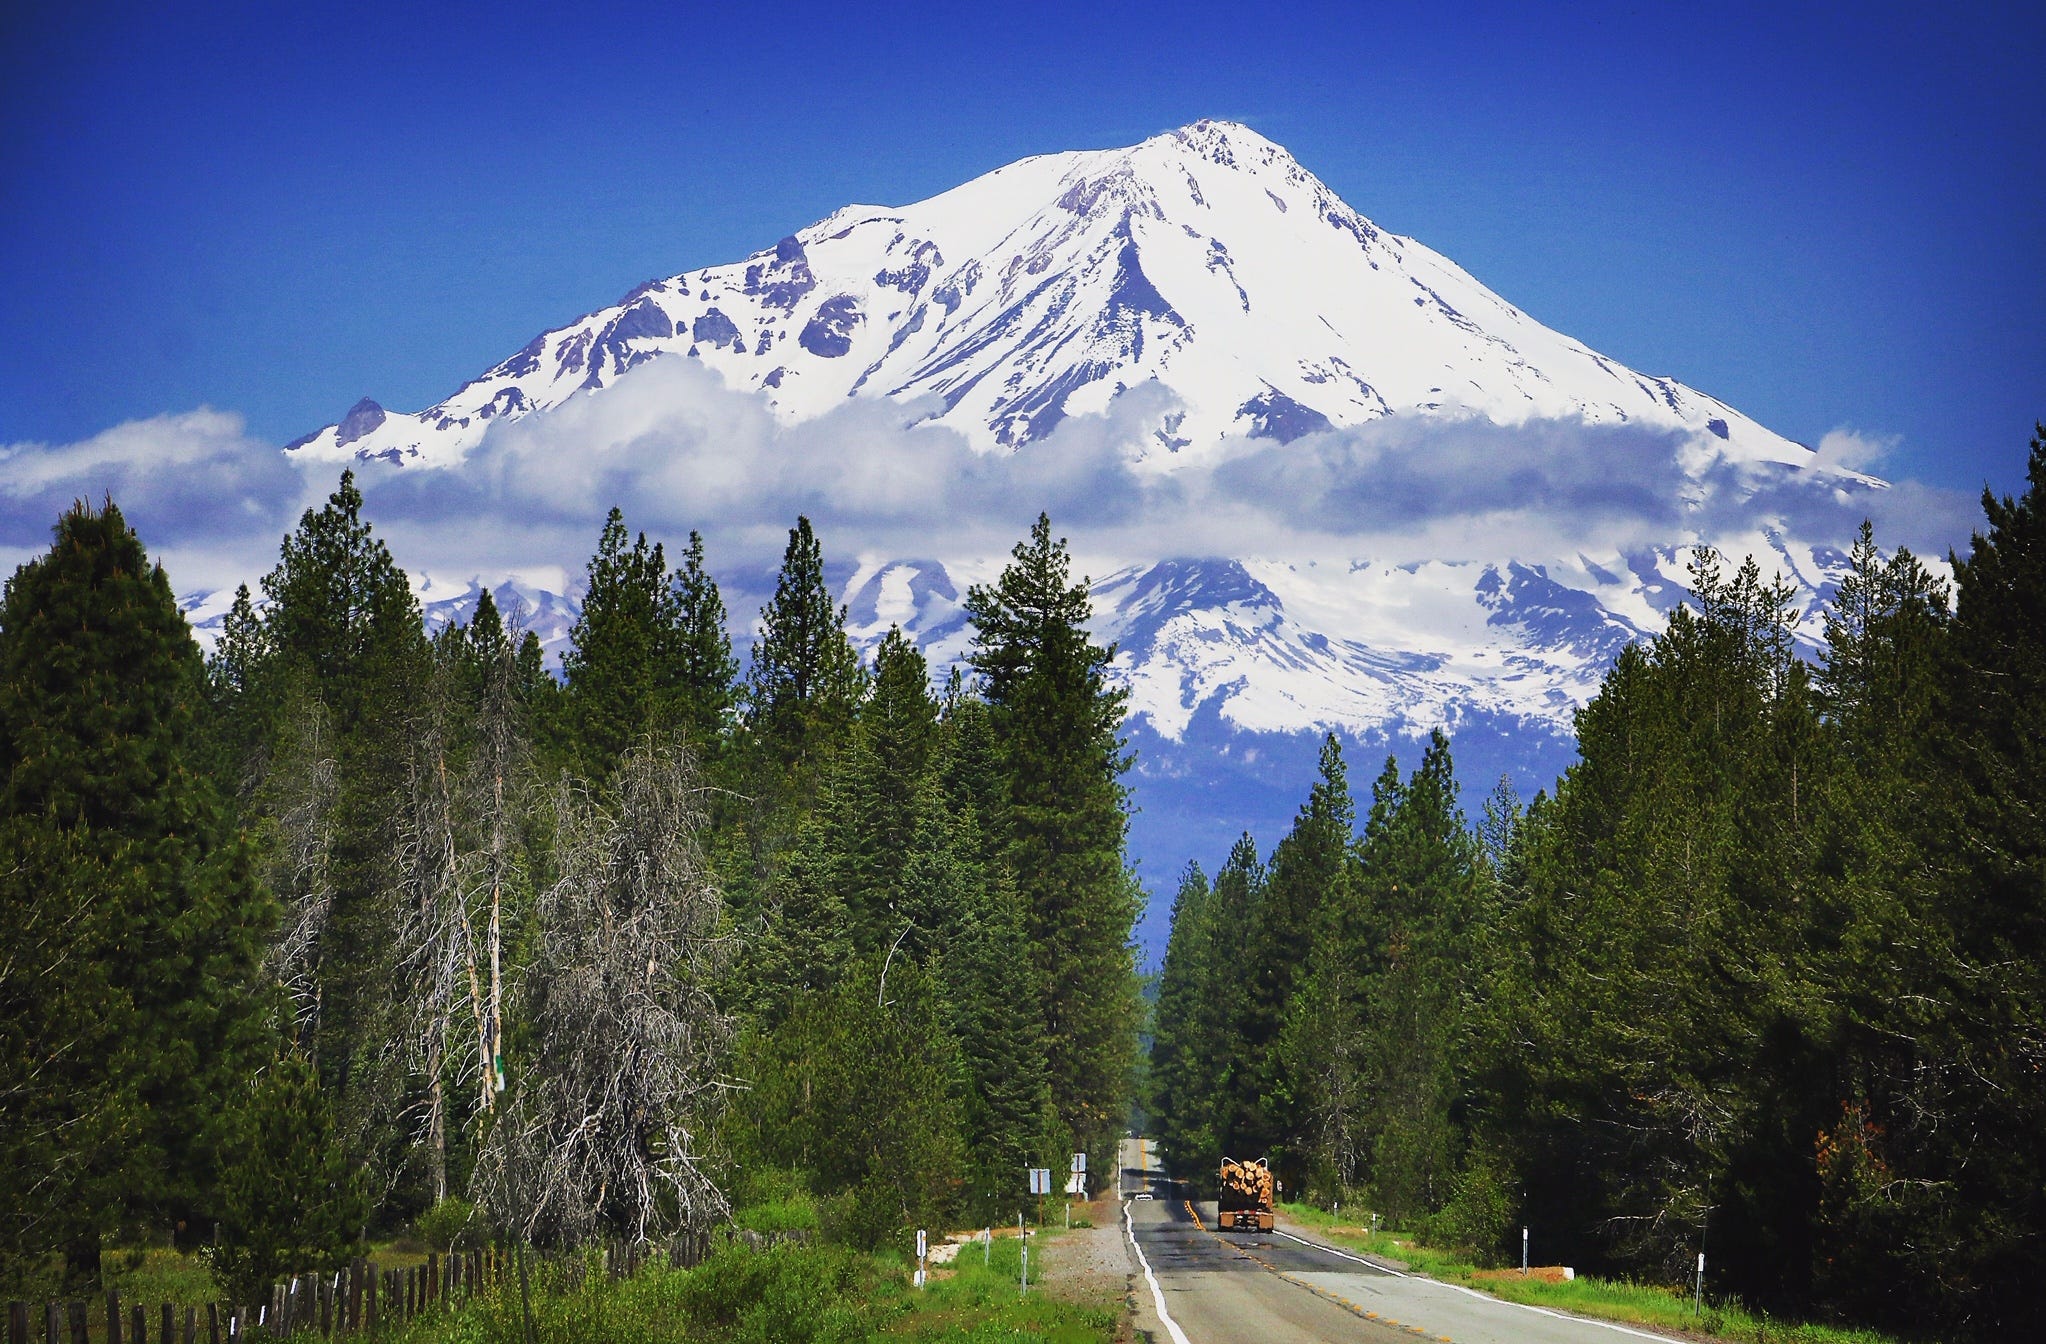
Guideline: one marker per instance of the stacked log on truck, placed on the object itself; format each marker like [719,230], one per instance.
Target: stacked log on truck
[1244,1203]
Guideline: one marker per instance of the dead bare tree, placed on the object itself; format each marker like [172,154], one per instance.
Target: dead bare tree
[457,859]
[607,1118]
[299,788]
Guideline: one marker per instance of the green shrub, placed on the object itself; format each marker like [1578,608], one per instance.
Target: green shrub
[791,1295]
[450,1223]
[290,1199]
[793,1212]
[1479,1215]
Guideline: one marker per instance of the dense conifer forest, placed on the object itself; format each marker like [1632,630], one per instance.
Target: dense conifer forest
[352,924]
[1763,976]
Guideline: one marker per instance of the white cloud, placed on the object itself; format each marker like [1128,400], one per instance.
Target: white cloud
[1854,451]
[677,450]
[205,496]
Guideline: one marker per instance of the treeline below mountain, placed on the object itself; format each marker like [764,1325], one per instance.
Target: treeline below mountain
[351,923]
[1764,977]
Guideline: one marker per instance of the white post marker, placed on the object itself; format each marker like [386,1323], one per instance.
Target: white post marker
[1523,1252]
[1698,1304]
[1026,1269]
[922,1256]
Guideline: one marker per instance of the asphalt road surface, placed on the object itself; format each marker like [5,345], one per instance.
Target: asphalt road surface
[1282,1288]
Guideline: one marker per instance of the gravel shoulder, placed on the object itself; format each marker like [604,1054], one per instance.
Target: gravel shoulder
[1088,1264]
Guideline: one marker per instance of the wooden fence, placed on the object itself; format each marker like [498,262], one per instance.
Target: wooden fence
[357,1299]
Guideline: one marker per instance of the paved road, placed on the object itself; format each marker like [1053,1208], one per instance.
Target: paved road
[1287,1289]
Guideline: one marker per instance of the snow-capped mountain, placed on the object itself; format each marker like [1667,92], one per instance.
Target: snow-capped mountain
[1205,258]
[1207,274]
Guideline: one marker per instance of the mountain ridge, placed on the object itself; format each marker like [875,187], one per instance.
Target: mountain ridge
[1048,286]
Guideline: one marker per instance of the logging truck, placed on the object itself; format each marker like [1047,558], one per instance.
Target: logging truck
[1244,1203]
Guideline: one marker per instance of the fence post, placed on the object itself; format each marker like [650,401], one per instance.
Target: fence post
[17,1323]
[212,1323]
[113,1317]
[191,1325]
[52,1332]
[355,1295]
[169,1335]
[138,1325]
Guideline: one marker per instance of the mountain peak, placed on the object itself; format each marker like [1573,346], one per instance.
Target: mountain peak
[1204,259]
[1210,135]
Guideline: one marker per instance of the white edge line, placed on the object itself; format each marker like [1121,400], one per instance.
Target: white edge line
[1483,1297]
[1373,1264]
[1157,1293]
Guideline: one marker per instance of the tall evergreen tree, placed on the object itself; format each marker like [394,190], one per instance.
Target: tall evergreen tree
[1056,721]
[1181,1066]
[1307,872]
[1990,851]
[620,683]
[805,681]
[103,793]
[706,675]
[344,649]
[1424,891]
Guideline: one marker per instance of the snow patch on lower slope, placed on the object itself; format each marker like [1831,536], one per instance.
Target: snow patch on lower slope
[1280,647]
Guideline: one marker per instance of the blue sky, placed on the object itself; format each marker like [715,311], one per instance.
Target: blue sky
[1827,216]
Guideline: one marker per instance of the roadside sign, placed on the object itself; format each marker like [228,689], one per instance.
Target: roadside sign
[1080,1162]
[1040,1180]
[1076,1184]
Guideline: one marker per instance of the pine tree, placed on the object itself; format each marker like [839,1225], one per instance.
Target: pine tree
[620,681]
[899,721]
[1056,722]
[1989,849]
[706,675]
[291,1200]
[1180,1067]
[345,650]
[101,773]
[1307,872]
[967,927]
[970,773]
[856,1089]
[1234,912]
[1424,891]
[1664,980]
[806,680]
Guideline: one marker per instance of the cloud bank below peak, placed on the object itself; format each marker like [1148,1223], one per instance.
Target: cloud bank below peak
[678,450]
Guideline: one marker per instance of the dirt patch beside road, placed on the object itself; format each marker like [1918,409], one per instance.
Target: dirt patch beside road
[1088,1264]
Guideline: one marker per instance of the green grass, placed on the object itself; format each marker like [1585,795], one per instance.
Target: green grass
[806,1293]
[789,1294]
[1650,1305]
[159,1274]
